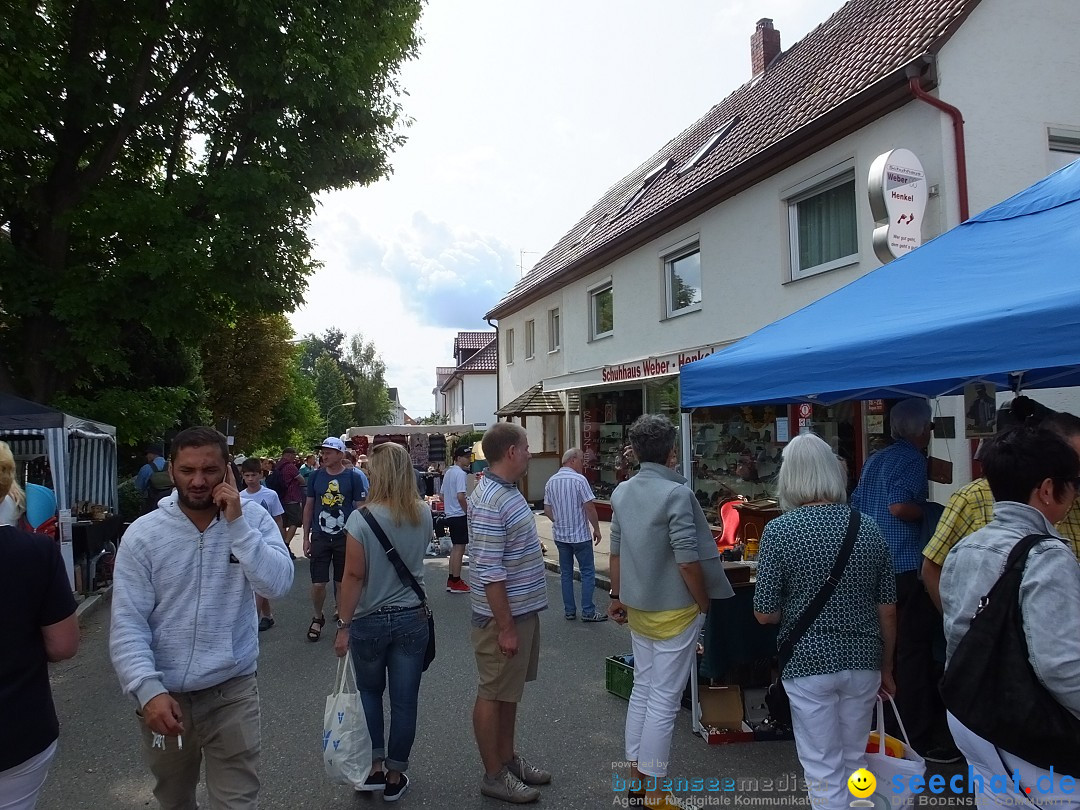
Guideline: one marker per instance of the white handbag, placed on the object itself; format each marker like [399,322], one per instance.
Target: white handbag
[885,768]
[346,740]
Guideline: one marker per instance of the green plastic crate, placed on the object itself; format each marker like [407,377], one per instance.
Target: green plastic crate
[619,675]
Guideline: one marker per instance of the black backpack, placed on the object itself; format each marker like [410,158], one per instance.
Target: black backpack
[991,687]
[274,482]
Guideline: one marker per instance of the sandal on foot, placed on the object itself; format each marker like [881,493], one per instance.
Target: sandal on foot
[315,630]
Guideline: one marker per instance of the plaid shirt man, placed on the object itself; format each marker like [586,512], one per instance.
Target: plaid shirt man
[970,508]
[894,475]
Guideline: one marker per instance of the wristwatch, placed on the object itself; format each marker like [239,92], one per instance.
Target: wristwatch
[612,595]
[342,624]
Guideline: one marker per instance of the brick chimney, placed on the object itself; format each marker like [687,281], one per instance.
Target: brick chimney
[764,45]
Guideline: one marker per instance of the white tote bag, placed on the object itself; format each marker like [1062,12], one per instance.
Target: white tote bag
[346,741]
[884,767]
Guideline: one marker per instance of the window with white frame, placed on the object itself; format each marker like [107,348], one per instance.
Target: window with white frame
[1064,147]
[509,346]
[601,311]
[682,279]
[822,224]
[554,335]
[530,339]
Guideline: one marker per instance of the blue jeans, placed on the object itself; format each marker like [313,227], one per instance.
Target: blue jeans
[584,554]
[390,644]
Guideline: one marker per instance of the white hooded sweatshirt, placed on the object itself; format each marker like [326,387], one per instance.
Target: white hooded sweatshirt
[183,604]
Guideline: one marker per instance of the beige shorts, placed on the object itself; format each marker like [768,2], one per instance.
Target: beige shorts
[502,678]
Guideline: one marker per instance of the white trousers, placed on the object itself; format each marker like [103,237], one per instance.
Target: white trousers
[19,786]
[661,669]
[994,774]
[831,716]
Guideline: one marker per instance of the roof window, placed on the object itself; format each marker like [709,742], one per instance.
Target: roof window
[646,184]
[711,141]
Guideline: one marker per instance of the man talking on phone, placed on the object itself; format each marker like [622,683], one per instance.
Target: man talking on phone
[184,639]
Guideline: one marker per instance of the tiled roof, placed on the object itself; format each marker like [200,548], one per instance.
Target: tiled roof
[442,374]
[538,401]
[471,340]
[863,43]
[483,362]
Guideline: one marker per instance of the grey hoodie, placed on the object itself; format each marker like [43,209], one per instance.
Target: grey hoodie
[183,612]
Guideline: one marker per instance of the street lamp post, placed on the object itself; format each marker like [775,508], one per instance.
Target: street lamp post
[332,409]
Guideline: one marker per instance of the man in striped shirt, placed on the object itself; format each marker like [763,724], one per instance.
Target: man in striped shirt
[506,569]
[568,504]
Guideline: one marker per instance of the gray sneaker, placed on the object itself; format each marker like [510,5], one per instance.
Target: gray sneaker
[509,788]
[527,772]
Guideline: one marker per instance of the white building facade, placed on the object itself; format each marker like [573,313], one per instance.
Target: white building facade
[762,207]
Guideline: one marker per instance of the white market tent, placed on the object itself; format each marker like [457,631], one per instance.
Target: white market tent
[81,453]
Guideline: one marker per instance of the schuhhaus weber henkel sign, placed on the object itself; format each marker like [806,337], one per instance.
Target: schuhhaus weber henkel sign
[898,194]
[654,366]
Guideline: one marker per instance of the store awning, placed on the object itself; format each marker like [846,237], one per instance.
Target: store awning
[996,300]
[538,401]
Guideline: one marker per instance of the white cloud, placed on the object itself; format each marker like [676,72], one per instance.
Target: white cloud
[410,292]
[524,114]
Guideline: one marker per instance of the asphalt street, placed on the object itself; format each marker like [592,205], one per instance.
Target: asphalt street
[567,722]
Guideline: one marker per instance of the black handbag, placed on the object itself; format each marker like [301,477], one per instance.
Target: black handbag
[776,697]
[991,687]
[406,576]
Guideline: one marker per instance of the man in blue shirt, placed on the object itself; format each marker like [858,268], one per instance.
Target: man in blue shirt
[893,490]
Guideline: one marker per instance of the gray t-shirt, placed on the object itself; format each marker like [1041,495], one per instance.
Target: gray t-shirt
[382,586]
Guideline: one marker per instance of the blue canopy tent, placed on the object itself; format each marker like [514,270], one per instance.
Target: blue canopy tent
[996,300]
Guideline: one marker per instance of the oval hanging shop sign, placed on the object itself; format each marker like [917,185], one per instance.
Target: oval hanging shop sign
[654,366]
[898,193]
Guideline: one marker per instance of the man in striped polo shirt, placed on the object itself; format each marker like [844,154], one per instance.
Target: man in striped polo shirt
[568,504]
[506,569]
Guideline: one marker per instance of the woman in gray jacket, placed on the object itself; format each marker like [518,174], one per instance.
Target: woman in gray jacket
[665,568]
[1033,477]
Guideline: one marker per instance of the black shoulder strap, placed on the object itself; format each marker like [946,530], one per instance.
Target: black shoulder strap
[392,555]
[1019,552]
[822,596]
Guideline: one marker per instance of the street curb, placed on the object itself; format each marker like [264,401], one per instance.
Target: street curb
[603,582]
[91,604]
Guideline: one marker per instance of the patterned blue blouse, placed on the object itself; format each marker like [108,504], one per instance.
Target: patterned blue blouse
[797,553]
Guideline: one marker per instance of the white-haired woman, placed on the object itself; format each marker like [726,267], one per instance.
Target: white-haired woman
[382,619]
[846,655]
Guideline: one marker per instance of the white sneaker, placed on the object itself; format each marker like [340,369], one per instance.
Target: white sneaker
[509,788]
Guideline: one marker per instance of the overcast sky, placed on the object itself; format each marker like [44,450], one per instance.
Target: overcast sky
[524,113]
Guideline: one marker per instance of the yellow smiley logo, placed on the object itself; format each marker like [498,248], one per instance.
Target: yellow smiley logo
[861,783]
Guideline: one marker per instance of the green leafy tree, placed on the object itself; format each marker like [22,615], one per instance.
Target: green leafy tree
[247,369]
[158,168]
[296,421]
[368,382]
[434,418]
[332,388]
[331,342]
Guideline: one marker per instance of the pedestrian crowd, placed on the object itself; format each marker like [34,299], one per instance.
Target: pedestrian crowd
[876,595]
